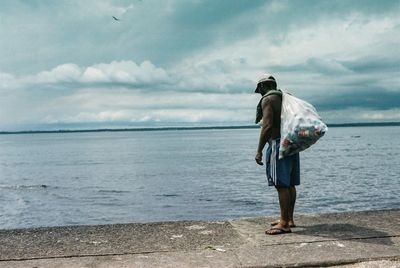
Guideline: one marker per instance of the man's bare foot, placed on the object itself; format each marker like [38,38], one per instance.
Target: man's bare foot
[278,229]
[291,224]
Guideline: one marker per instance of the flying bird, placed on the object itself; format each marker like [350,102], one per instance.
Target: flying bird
[116,18]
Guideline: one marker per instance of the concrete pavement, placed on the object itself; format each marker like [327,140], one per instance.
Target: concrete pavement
[353,238]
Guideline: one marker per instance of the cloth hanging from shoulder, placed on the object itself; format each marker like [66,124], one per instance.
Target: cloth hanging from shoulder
[259,114]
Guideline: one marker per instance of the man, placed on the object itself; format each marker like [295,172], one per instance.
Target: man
[284,173]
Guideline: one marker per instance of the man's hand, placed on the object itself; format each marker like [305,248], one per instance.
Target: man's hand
[259,158]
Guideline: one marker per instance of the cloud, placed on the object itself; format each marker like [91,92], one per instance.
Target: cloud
[326,66]
[140,116]
[217,76]
[377,98]
[7,81]
[360,115]
[62,73]
[97,99]
[195,61]
[132,106]
[126,73]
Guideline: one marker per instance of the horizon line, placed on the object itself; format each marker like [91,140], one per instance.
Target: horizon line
[183,128]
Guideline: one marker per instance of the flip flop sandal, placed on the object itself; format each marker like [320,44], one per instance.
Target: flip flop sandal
[277,231]
[277,222]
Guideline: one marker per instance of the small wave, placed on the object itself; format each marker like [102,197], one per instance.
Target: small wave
[206,199]
[26,187]
[113,191]
[245,202]
[168,195]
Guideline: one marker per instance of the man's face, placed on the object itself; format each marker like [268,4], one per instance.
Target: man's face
[265,87]
[262,90]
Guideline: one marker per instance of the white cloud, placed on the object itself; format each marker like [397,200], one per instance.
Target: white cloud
[63,73]
[7,81]
[218,76]
[128,99]
[339,38]
[385,115]
[121,104]
[124,72]
[186,115]
[352,115]
[132,106]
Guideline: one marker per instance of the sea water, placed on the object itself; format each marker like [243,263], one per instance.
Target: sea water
[57,179]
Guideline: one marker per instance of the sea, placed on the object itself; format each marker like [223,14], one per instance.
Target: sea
[57,179]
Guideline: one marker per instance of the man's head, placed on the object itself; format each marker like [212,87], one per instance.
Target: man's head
[265,83]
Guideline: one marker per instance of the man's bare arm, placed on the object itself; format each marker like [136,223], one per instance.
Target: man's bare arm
[266,128]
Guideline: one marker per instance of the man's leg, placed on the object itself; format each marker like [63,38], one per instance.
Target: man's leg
[284,203]
[294,180]
[293,195]
[292,202]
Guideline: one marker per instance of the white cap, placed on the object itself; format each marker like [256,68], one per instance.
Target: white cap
[264,78]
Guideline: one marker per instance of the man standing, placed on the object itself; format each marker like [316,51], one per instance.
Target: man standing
[284,173]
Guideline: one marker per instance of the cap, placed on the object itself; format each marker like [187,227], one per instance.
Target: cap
[264,78]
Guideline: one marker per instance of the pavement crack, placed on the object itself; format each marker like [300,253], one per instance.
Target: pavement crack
[332,240]
[89,255]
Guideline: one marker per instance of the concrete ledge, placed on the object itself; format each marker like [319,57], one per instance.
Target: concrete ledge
[319,240]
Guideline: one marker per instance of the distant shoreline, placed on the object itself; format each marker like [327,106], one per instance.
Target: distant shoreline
[182,128]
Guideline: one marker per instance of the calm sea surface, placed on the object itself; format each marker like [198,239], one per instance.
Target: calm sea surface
[120,177]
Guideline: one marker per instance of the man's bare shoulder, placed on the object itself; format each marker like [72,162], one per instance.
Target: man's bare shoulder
[270,100]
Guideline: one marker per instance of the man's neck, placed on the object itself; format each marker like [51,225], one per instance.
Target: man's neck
[267,91]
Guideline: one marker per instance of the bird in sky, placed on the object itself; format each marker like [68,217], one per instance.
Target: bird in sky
[116,18]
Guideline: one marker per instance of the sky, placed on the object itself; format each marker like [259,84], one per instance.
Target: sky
[69,64]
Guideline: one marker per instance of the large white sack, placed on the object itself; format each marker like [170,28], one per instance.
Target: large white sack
[301,126]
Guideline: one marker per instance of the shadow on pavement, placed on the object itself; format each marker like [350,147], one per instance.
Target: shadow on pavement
[346,231]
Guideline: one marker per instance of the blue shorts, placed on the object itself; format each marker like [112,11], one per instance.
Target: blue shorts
[283,172]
